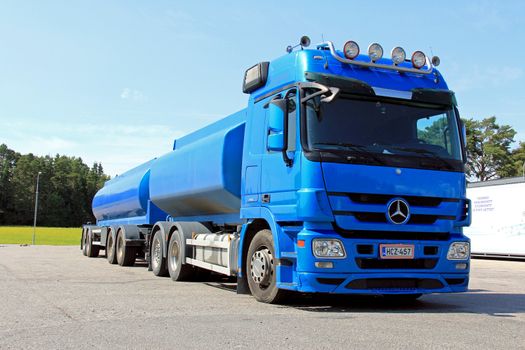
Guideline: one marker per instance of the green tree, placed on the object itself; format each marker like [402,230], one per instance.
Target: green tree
[488,148]
[67,187]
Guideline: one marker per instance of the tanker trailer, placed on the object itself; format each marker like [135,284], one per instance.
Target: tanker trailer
[344,174]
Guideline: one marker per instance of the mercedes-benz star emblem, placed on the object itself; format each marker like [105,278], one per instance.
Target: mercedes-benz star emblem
[398,211]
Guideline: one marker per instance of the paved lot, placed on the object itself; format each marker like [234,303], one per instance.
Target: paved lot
[54,298]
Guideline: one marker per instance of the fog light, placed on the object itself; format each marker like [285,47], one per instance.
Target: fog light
[458,251]
[461,266]
[328,248]
[324,264]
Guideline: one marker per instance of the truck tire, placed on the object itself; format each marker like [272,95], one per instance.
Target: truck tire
[125,255]
[157,261]
[83,242]
[260,269]
[111,253]
[91,250]
[176,255]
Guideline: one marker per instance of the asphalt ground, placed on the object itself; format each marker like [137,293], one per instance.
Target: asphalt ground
[56,298]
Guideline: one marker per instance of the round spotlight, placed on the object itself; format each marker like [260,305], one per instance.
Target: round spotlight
[398,55]
[418,59]
[375,52]
[436,61]
[351,50]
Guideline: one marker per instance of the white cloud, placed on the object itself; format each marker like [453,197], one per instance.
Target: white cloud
[132,95]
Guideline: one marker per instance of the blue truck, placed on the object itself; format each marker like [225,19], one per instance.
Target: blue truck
[344,174]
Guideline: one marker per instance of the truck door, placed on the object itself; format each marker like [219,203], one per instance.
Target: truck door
[280,178]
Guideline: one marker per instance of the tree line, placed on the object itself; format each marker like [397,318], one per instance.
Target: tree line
[66,188]
[67,184]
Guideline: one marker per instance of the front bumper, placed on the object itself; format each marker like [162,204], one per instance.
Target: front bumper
[361,271]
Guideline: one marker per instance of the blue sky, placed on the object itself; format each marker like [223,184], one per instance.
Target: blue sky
[117,81]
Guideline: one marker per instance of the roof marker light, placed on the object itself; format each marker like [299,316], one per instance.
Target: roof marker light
[398,55]
[375,52]
[418,59]
[351,50]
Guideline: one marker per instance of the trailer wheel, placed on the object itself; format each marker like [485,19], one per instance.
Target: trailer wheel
[176,255]
[157,261]
[111,253]
[260,268]
[91,250]
[125,255]
[83,245]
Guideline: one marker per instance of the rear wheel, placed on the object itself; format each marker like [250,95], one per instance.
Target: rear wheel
[260,268]
[125,255]
[83,242]
[111,253]
[91,250]
[158,262]
[176,255]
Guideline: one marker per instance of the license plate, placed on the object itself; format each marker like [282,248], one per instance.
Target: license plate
[396,251]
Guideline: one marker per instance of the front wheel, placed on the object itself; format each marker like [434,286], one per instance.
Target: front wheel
[260,269]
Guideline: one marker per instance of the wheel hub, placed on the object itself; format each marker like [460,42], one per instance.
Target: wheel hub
[156,253]
[262,266]
[174,256]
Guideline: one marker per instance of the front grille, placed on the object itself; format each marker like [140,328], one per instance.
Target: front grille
[395,283]
[368,198]
[392,235]
[415,219]
[419,264]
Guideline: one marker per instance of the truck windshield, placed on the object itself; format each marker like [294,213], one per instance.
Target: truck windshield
[385,132]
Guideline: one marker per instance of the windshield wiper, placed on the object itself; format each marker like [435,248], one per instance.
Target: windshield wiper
[427,154]
[344,146]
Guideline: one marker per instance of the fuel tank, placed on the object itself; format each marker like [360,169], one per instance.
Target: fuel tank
[125,196]
[202,175]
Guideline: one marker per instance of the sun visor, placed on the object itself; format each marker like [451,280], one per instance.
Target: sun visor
[354,86]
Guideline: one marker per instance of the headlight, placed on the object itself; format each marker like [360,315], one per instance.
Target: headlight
[328,248]
[351,50]
[418,59]
[375,51]
[458,251]
[398,55]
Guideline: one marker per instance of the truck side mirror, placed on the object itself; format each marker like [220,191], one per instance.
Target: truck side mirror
[277,113]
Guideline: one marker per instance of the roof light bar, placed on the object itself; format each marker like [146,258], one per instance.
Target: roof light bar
[328,45]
